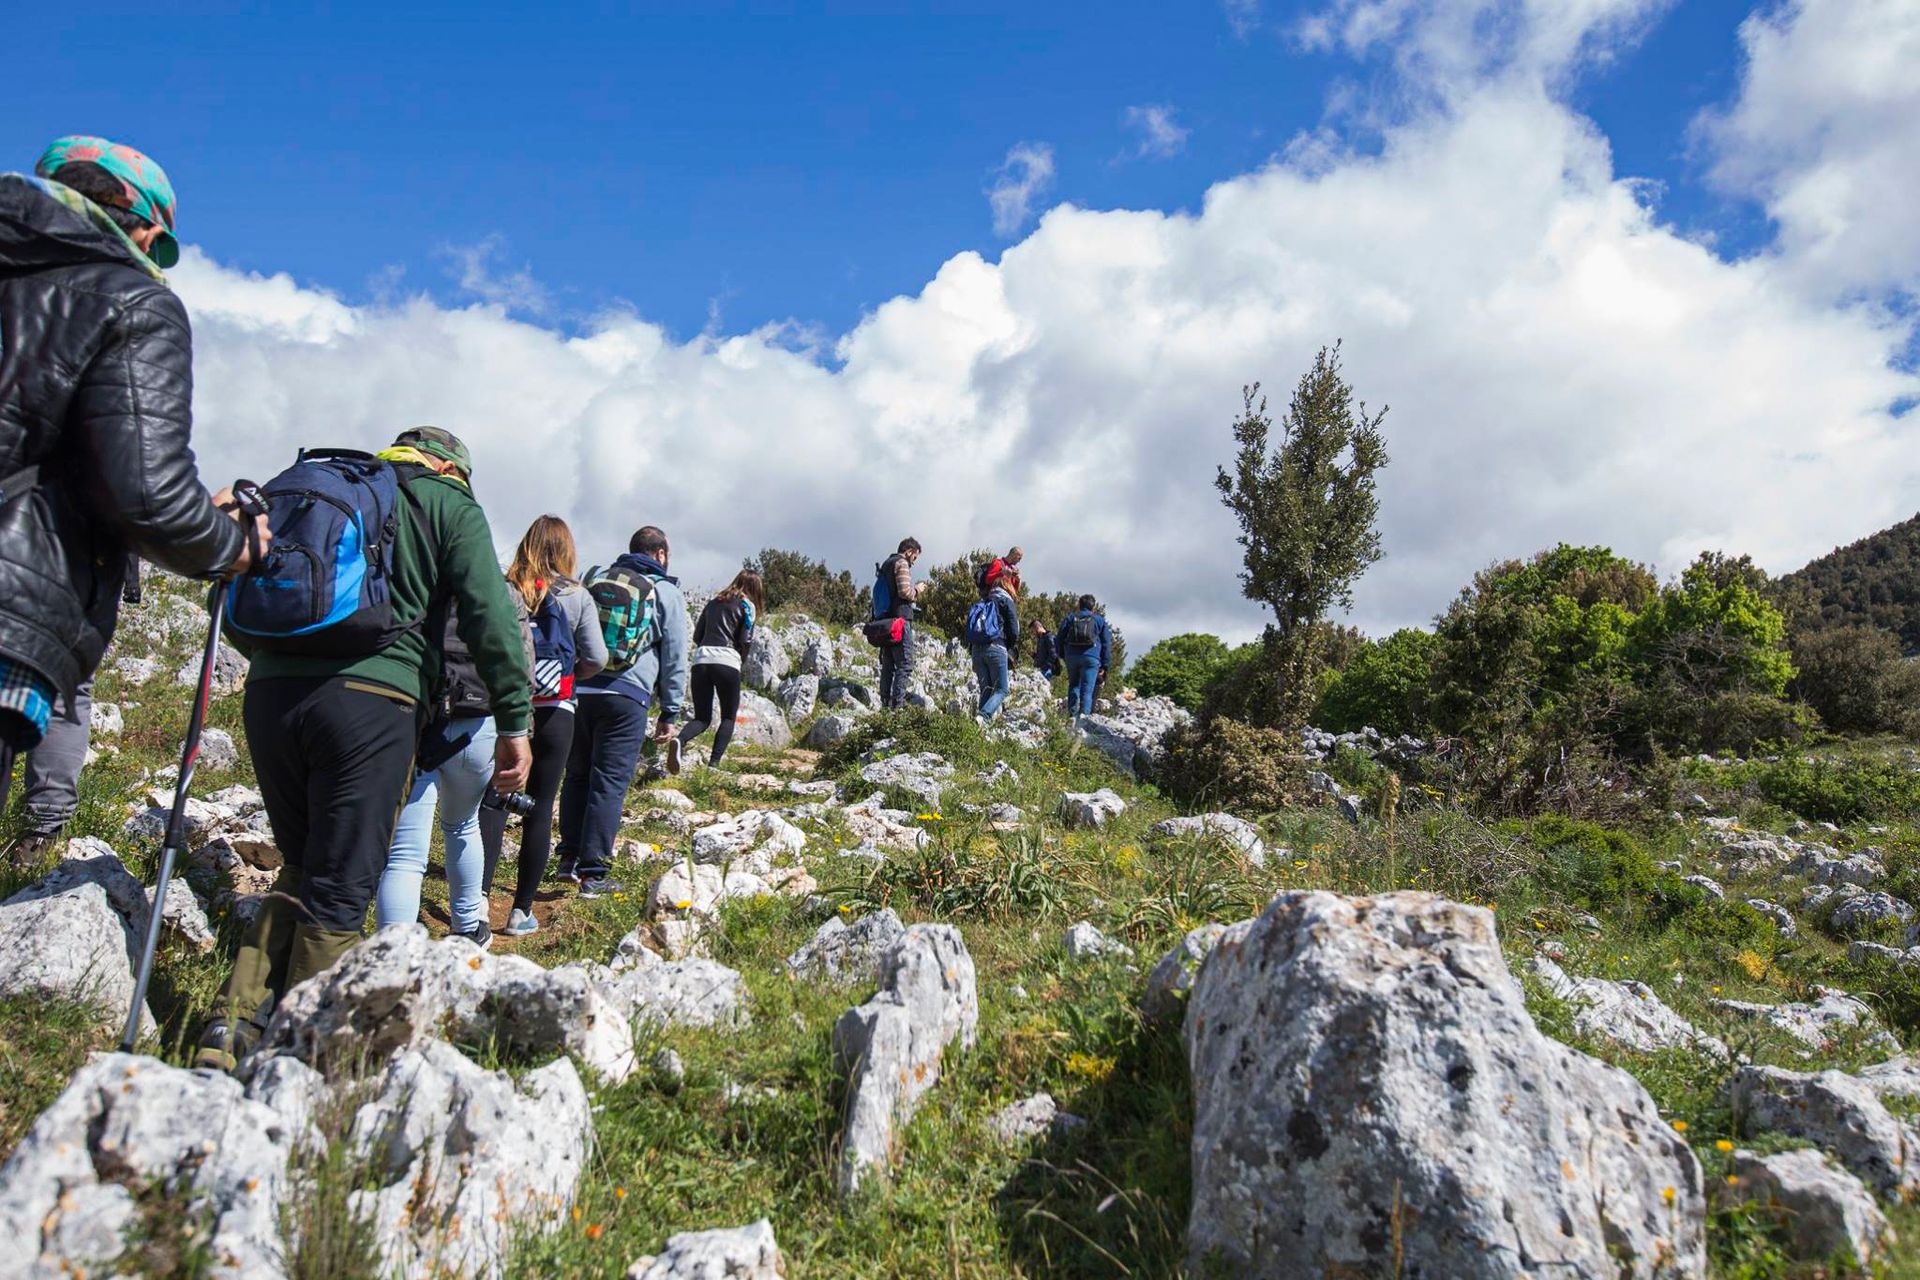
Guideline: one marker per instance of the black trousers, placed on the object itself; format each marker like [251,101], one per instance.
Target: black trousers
[551,742]
[334,756]
[713,681]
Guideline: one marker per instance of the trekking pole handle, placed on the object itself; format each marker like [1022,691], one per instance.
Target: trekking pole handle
[252,502]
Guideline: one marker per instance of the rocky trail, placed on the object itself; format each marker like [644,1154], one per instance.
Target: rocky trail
[890,995]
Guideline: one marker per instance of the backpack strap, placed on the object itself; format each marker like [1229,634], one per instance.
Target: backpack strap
[437,614]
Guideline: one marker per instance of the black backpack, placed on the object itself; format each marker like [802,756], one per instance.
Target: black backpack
[1083,631]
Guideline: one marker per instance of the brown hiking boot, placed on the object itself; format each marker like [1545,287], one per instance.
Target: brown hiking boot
[224,1042]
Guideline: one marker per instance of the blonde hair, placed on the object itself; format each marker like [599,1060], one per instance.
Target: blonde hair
[545,556]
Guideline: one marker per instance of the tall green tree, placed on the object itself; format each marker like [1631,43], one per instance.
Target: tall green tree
[1305,500]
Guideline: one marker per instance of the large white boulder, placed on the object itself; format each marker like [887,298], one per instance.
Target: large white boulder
[1370,1093]
[761,722]
[733,1253]
[1836,1112]
[842,952]
[890,1048]
[1820,1207]
[1238,832]
[1627,1013]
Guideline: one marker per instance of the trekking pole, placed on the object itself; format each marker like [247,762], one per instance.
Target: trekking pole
[252,503]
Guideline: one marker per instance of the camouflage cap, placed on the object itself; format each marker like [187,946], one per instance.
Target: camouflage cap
[439,443]
[149,193]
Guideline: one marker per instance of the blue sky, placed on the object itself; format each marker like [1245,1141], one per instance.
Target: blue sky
[1640,273]
[760,164]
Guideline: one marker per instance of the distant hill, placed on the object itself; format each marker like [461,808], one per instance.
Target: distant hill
[1875,580]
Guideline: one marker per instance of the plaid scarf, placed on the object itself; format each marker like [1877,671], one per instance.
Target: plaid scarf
[26,705]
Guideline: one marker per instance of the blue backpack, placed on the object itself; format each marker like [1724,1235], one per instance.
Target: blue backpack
[883,588]
[984,625]
[554,655]
[325,589]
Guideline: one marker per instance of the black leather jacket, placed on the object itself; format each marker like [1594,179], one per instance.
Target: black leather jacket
[96,389]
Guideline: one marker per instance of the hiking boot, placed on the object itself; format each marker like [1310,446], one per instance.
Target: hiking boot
[224,1042]
[520,923]
[655,772]
[564,870]
[481,935]
[600,887]
[673,757]
[29,851]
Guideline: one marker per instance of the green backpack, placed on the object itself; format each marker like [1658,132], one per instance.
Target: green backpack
[629,608]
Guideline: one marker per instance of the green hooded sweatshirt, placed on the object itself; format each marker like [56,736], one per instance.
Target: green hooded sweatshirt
[485,617]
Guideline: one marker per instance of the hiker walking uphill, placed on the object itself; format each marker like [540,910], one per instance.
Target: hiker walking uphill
[644,619]
[96,379]
[993,637]
[1046,656]
[721,639]
[1085,642]
[334,709]
[453,766]
[894,594]
[568,646]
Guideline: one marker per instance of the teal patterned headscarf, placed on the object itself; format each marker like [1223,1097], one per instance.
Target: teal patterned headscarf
[149,194]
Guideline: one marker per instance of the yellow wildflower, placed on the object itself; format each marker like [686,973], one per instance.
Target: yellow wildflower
[1723,1145]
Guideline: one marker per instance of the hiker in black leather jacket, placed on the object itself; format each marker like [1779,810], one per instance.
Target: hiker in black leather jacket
[96,386]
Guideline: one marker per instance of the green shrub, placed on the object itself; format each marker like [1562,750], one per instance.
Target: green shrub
[1824,790]
[1383,685]
[793,580]
[1857,679]
[1224,764]
[1181,667]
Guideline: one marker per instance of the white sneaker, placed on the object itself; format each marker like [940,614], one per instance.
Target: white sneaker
[520,923]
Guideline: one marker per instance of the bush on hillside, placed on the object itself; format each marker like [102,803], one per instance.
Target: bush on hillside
[1383,685]
[793,581]
[1225,764]
[1181,667]
[1857,680]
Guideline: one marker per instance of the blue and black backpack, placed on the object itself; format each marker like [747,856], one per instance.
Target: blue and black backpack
[984,624]
[883,588]
[326,587]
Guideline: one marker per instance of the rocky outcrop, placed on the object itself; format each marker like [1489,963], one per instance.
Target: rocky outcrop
[1836,1112]
[1370,1092]
[735,1253]
[922,775]
[761,722]
[1172,978]
[842,952]
[1822,1209]
[1628,1013]
[1094,809]
[1085,942]
[891,1047]
[1236,832]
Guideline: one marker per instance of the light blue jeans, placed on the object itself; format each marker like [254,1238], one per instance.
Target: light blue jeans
[456,787]
[990,667]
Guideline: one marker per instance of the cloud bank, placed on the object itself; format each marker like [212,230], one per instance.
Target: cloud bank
[1560,366]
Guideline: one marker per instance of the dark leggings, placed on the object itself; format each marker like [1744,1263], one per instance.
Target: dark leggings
[711,679]
[551,740]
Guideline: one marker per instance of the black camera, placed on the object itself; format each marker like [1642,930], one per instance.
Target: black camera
[516,802]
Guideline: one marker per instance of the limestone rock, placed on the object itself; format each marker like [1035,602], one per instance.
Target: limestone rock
[692,992]
[106,720]
[217,750]
[1359,1062]
[830,729]
[891,1047]
[535,1013]
[751,842]
[1091,808]
[842,952]
[1031,1116]
[798,696]
[68,1193]
[464,1159]
[922,775]
[1084,942]
[1816,1023]
[1836,1112]
[1172,978]
[699,892]
[1627,1013]
[1237,832]
[229,669]
[1823,1209]
[1868,910]
[761,722]
[136,670]
[766,661]
[737,1253]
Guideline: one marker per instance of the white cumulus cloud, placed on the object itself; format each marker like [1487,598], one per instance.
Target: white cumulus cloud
[1022,178]
[1560,366]
[1826,133]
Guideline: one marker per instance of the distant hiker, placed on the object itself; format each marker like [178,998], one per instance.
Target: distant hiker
[721,639]
[333,734]
[644,619]
[993,637]
[96,378]
[1004,571]
[1046,658]
[568,646]
[1085,644]
[894,594]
